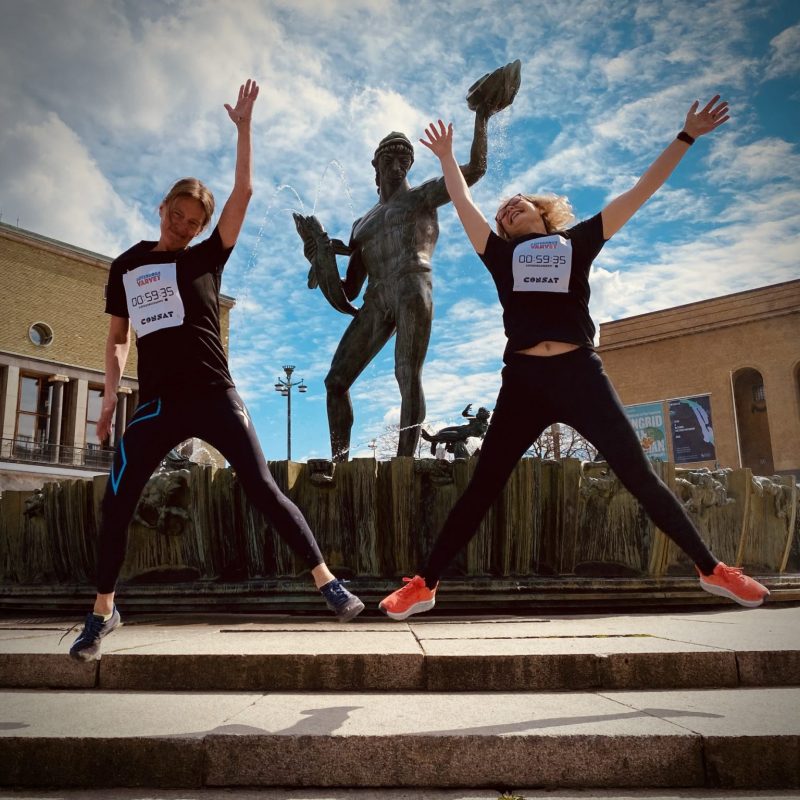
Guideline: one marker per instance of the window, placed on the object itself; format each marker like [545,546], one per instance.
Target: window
[33,408]
[758,393]
[40,334]
[94,406]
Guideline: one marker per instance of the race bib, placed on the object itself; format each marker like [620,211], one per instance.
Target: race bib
[154,302]
[542,265]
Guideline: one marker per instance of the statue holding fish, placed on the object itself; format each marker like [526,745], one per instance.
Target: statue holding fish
[390,248]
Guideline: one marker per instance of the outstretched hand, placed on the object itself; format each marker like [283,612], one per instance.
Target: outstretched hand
[707,119]
[243,111]
[440,141]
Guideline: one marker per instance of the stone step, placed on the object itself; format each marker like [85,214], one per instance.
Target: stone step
[523,595]
[722,738]
[730,648]
[403,672]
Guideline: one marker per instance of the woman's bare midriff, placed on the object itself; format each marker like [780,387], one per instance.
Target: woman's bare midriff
[549,349]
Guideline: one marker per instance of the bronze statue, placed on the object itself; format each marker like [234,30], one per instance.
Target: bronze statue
[391,248]
[455,437]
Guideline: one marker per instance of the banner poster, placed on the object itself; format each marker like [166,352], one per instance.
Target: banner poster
[648,422]
[692,432]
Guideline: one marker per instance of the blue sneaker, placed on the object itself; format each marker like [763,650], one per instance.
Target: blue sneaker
[87,645]
[344,604]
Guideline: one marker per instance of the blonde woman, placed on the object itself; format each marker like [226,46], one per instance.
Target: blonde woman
[540,266]
[168,291]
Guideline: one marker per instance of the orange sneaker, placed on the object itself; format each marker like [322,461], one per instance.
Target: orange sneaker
[413,598]
[731,582]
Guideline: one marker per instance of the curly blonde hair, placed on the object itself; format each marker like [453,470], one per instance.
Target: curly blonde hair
[556,211]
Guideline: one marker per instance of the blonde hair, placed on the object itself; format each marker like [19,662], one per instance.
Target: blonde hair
[192,187]
[556,211]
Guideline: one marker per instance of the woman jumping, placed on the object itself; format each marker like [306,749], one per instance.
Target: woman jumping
[169,292]
[552,373]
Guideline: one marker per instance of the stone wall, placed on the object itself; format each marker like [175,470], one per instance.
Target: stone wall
[377,520]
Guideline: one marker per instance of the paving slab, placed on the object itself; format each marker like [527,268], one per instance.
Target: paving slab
[764,628]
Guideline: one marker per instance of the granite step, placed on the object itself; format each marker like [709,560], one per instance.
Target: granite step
[719,649]
[718,738]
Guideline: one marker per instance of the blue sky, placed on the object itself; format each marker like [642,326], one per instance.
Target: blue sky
[104,104]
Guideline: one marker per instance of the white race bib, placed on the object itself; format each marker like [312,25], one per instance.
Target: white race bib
[542,265]
[154,302]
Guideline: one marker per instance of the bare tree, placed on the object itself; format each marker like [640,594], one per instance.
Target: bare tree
[562,441]
[385,444]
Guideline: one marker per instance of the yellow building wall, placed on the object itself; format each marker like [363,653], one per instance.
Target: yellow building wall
[696,349]
[65,291]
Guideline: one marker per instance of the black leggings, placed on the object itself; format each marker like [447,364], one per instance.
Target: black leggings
[571,388]
[218,417]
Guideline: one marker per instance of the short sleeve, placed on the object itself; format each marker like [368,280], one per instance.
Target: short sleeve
[116,302]
[213,254]
[496,254]
[587,238]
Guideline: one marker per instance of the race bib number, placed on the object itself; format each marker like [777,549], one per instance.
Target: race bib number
[542,265]
[154,302]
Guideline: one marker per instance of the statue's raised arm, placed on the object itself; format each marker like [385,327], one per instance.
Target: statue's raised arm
[488,95]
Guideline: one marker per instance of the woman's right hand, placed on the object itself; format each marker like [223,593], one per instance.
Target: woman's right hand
[440,141]
[106,418]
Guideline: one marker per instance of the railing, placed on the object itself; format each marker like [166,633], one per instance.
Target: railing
[24,450]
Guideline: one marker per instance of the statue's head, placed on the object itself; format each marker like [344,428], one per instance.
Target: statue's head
[483,413]
[393,158]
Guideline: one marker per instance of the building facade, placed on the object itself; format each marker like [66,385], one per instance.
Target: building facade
[52,361]
[736,358]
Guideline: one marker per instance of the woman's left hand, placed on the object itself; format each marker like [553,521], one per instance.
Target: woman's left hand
[707,119]
[243,111]
[440,141]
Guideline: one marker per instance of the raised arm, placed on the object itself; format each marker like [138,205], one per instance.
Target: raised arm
[440,143]
[117,345]
[475,169]
[232,217]
[698,123]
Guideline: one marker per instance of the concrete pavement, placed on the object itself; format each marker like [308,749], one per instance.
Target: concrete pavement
[706,699]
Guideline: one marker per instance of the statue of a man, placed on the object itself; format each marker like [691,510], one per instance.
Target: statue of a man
[391,248]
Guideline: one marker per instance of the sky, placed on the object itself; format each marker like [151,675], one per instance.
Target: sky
[104,104]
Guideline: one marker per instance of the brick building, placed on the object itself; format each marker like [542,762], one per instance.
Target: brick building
[741,352]
[52,350]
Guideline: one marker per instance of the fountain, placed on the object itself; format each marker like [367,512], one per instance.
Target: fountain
[562,532]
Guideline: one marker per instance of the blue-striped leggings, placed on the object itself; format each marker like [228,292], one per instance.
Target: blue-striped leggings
[218,417]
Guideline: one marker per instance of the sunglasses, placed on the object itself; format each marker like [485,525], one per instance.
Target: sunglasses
[503,212]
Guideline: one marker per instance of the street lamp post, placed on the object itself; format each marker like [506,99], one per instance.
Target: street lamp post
[285,387]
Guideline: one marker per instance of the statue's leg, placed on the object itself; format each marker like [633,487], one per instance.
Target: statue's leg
[361,342]
[414,315]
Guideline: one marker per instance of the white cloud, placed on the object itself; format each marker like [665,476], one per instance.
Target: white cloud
[45,167]
[767,159]
[105,104]
[375,112]
[784,56]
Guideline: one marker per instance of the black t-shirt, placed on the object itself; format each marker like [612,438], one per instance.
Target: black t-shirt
[172,300]
[543,284]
